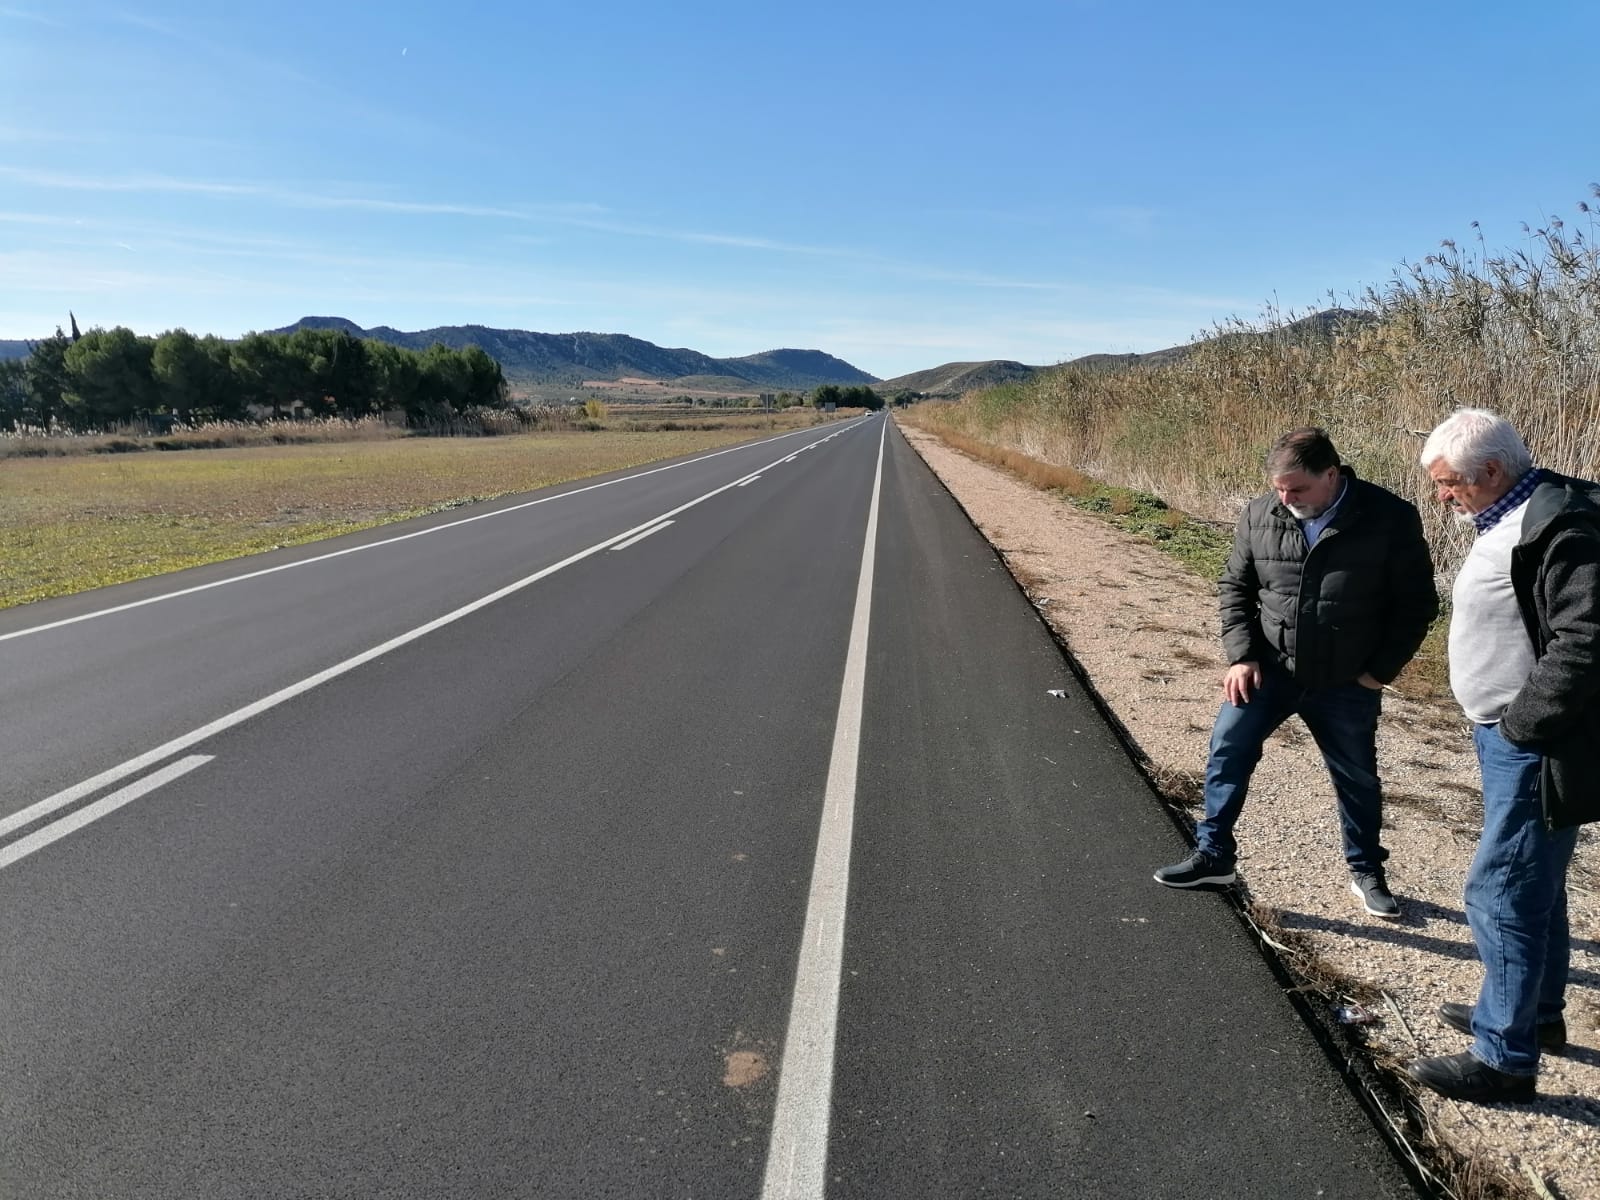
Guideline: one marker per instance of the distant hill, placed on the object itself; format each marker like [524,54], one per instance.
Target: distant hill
[794,369]
[1322,324]
[13,349]
[570,359]
[955,379]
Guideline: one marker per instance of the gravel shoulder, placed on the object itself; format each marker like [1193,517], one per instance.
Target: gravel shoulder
[1145,633]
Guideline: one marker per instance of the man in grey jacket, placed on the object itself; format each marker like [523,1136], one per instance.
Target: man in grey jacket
[1327,595]
[1525,668]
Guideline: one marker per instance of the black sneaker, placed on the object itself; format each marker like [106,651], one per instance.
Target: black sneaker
[1552,1034]
[1465,1077]
[1199,868]
[1369,888]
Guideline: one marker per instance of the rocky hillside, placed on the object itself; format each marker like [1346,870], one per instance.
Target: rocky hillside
[570,359]
[958,378]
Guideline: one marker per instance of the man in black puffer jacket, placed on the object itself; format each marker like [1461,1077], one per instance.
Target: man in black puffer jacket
[1327,595]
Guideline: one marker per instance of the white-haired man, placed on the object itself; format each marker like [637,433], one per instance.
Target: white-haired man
[1525,668]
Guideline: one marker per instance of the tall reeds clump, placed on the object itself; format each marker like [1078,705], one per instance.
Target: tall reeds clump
[1516,331]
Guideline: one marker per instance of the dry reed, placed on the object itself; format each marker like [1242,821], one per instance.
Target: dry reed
[1517,332]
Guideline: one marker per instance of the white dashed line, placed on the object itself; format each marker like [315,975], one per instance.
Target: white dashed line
[639,537]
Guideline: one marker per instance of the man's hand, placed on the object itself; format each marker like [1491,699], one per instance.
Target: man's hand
[1241,679]
[1367,681]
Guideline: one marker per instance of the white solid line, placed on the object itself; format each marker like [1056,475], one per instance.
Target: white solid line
[403,537]
[78,791]
[639,537]
[749,481]
[797,1157]
[89,813]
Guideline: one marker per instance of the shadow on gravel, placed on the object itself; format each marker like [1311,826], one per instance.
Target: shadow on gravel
[1400,933]
[1580,1110]
[1584,1055]
[1417,913]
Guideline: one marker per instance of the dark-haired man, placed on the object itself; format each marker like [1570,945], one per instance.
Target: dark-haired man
[1326,596]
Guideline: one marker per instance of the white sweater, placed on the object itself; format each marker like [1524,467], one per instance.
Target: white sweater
[1490,654]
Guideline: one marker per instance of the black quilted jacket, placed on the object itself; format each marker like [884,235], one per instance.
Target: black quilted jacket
[1360,600]
[1555,572]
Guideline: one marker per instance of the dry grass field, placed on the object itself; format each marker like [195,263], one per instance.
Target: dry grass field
[86,520]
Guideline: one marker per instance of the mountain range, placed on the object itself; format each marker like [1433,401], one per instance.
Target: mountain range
[571,359]
[562,362]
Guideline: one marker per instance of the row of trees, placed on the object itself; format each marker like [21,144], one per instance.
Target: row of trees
[858,396]
[108,377]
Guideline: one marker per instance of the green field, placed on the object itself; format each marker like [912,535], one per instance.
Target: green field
[83,521]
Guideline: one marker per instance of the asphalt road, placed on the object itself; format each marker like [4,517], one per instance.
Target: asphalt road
[528,856]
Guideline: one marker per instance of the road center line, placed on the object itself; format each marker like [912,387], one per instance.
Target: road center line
[797,1157]
[56,830]
[639,537]
[403,537]
[78,791]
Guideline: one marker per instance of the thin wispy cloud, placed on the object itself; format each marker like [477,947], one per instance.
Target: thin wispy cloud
[20,14]
[19,136]
[977,279]
[580,215]
[861,257]
[697,237]
[279,75]
[62,181]
[220,52]
[50,219]
[292,197]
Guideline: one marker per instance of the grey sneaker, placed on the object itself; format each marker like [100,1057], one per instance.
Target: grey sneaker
[1199,868]
[1370,888]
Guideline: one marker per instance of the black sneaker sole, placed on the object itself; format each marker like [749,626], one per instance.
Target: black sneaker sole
[1192,883]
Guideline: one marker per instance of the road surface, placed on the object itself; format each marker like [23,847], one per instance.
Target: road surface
[707,830]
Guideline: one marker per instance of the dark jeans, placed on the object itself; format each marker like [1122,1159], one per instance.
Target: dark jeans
[1516,901]
[1344,721]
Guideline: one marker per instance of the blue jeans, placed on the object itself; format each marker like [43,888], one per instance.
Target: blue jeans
[1344,721]
[1516,901]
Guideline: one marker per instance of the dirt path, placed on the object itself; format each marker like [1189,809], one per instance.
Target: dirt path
[1145,632]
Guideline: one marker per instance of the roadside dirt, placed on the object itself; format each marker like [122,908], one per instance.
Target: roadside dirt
[1145,633]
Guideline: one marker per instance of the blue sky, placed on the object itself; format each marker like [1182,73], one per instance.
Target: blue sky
[899,184]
